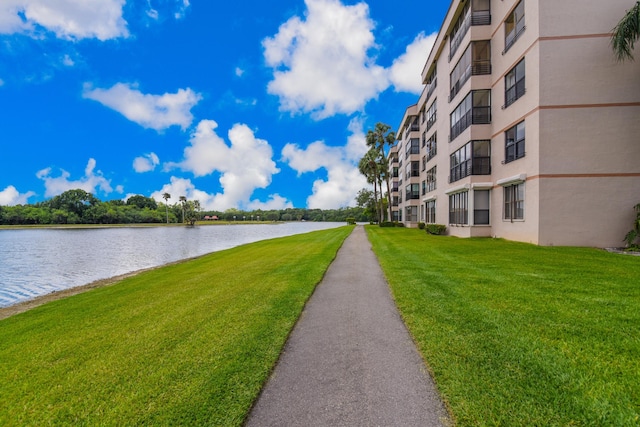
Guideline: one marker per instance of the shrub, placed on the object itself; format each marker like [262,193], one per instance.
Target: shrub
[399,224]
[351,220]
[436,228]
[387,224]
[421,225]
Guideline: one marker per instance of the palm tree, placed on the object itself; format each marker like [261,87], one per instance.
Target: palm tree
[183,201]
[626,33]
[380,138]
[166,196]
[368,167]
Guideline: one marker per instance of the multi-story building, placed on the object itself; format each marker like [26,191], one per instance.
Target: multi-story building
[527,127]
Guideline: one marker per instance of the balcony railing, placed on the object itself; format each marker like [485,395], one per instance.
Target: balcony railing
[474,166]
[481,67]
[431,121]
[511,38]
[481,17]
[512,94]
[456,39]
[431,87]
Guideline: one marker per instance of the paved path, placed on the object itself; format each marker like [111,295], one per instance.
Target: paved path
[350,360]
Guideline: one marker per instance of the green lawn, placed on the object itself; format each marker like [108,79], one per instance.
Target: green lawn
[520,335]
[187,344]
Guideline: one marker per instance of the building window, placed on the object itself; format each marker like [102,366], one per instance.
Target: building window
[474,12]
[514,143]
[412,191]
[431,83]
[413,147]
[431,211]
[431,179]
[412,213]
[424,187]
[413,169]
[424,162]
[476,60]
[514,84]
[474,158]
[514,26]
[431,146]
[481,207]
[432,115]
[459,208]
[514,202]
[475,109]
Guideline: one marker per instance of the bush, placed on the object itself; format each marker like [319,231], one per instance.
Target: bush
[436,228]
[351,220]
[421,225]
[387,224]
[399,224]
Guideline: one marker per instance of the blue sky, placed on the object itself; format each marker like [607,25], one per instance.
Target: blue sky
[239,104]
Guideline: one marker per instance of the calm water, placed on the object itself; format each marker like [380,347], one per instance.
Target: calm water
[35,262]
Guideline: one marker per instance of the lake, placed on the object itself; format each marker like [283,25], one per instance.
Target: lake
[35,262]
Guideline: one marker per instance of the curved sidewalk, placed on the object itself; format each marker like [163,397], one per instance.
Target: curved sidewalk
[350,360]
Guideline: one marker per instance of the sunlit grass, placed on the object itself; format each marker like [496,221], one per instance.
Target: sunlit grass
[520,335]
[187,344]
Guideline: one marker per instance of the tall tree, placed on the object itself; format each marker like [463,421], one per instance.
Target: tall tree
[183,202]
[380,138]
[166,196]
[626,33]
[368,167]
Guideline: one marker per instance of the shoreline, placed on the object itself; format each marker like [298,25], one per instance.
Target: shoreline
[22,306]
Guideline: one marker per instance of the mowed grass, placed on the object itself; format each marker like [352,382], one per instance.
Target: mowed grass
[187,344]
[520,335]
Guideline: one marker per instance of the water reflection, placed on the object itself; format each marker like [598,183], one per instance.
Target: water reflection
[35,262]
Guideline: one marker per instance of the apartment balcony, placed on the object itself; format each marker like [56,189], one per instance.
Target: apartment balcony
[481,17]
[475,116]
[477,68]
[475,166]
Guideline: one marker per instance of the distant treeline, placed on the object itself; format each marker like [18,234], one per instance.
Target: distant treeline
[79,207]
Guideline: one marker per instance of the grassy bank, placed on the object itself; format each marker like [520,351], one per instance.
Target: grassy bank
[188,344]
[520,335]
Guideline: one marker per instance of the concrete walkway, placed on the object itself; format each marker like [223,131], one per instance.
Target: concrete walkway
[350,360]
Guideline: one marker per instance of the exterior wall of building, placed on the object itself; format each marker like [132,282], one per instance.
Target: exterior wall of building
[579,171]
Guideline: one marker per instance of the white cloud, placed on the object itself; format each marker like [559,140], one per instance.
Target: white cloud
[68,61]
[406,69]
[341,163]
[275,202]
[322,63]
[91,180]
[182,9]
[213,202]
[146,163]
[244,165]
[10,196]
[68,19]
[150,111]
[239,72]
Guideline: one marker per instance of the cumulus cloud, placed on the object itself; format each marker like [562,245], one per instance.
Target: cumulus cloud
[10,196]
[341,164]
[275,202]
[67,19]
[92,180]
[244,164]
[405,70]
[146,163]
[184,187]
[149,111]
[322,63]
